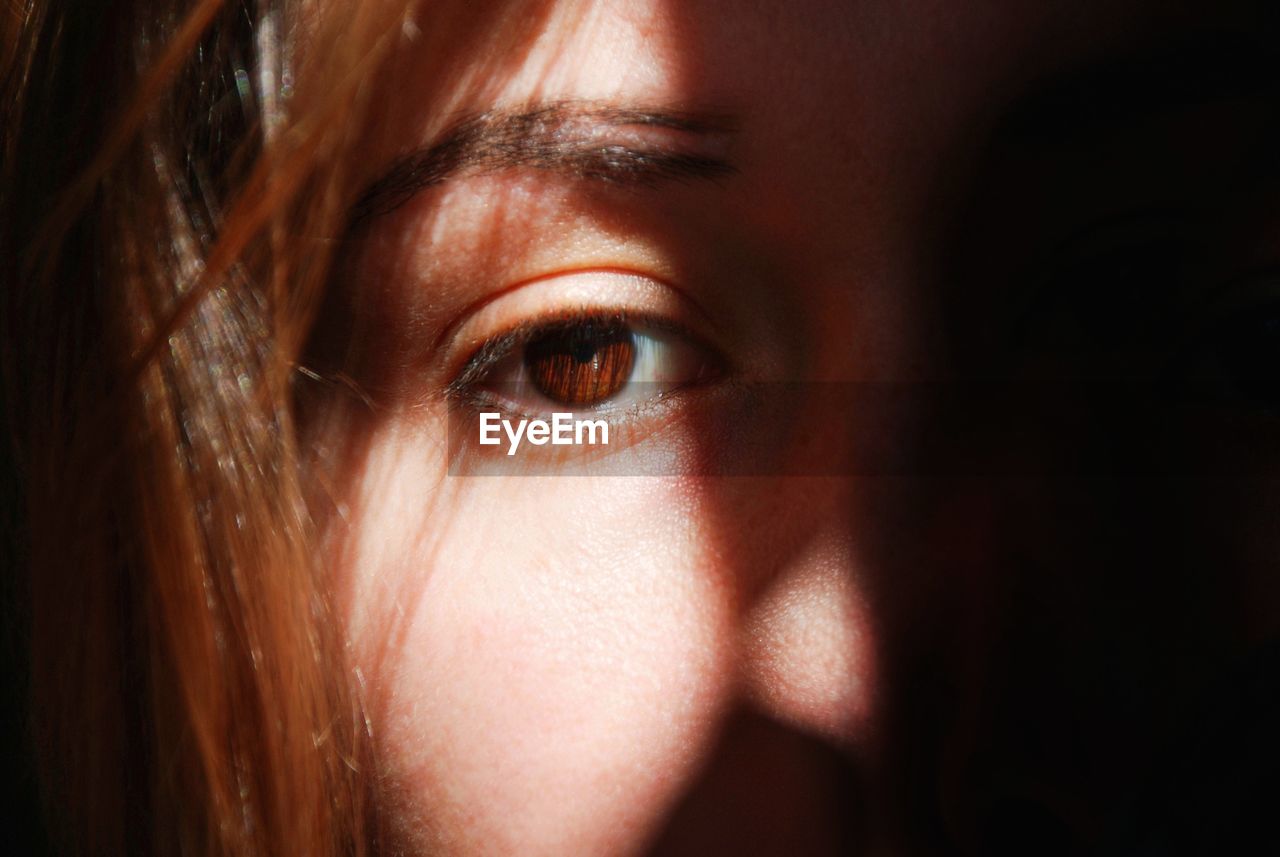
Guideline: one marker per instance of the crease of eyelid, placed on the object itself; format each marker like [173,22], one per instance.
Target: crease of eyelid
[569,137]
[444,340]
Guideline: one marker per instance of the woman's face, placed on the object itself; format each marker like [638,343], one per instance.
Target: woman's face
[889,547]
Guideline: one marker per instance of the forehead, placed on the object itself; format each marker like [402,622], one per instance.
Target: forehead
[750,53]
[853,78]
[847,116]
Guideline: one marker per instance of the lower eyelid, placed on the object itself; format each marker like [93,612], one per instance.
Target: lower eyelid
[628,427]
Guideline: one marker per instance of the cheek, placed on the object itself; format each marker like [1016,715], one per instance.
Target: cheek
[546,656]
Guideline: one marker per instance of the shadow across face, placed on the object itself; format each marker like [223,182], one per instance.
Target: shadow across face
[768,789]
[1071,575]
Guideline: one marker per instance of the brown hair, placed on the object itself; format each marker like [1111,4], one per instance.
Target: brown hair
[164,199]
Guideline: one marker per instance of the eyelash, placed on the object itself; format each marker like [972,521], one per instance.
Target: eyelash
[643,334]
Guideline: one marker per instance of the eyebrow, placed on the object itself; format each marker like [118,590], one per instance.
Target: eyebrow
[577,139]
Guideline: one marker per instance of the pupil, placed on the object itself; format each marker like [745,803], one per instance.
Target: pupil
[581,363]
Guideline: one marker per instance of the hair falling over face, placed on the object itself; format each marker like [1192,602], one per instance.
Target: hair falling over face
[189,690]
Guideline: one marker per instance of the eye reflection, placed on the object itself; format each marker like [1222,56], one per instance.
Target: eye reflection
[588,361]
[582,363]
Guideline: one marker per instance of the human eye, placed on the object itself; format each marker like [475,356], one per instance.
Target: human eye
[596,360]
[598,344]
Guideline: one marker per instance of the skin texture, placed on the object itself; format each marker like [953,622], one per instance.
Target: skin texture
[822,654]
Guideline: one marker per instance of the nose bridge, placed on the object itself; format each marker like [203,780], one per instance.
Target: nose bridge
[806,649]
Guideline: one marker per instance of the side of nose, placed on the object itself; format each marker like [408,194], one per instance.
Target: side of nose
[784,776]
[806,648]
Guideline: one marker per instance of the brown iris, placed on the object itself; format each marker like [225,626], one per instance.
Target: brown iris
[581,363]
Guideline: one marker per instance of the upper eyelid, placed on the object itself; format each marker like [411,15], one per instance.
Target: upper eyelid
[449,332]
[675,302]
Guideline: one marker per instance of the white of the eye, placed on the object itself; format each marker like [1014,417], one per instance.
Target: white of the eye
[660,358]
[660,362]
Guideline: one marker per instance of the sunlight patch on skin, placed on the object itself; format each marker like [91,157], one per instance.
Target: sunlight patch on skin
[806,648]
